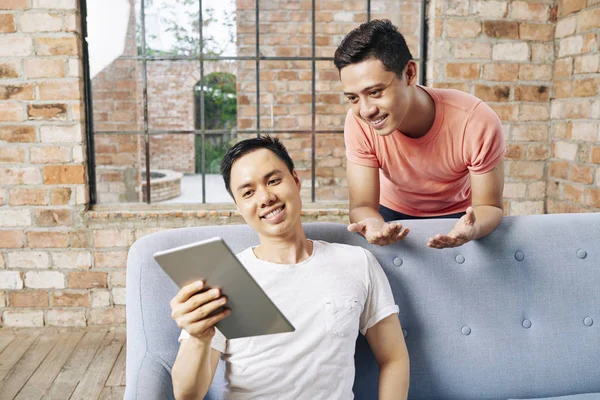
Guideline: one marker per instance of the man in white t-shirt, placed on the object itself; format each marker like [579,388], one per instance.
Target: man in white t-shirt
[329,292]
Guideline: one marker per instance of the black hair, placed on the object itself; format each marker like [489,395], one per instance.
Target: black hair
[244,147]
[377,39]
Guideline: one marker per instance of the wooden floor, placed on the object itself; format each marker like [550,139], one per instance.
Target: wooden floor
[61,364]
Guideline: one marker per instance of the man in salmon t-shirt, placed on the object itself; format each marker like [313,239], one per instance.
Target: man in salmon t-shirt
[415,152]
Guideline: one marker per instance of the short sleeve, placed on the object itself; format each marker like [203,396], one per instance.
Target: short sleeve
[484,145]
[380,300]
[219,342]
[359,146]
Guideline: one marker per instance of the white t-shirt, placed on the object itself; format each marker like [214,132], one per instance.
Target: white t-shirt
[329,297]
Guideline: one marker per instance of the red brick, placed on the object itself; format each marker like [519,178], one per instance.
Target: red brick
[111,316]
[529,11]
[7,23]
[52,46]
[17,134]
[70,299]
[67,174]
[514,151]
[12,155]
[467,71]
[47,239]
[9,70]
[501,29]
[588,19]
[50,154]
[51,218]
[28,299]
[592,197]
[532,93]
[566,7]
[11,239]
[492,93]
[536,32]
[581,173]
[562,89]
[506,112]
[44,68]
[573,193]
[11,112]
[47,112]
[559,169]
[80,239]
[500,72]
[530,133]
[27,197]
[595,155]
[537,152]
[461,28]
[527,169]
[586,87]
[87,280]
[59,91]
[14,4]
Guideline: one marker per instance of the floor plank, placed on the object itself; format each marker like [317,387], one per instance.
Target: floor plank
[75,367]
[5,341]
[13,352]
[91,384]
[44,376]
[26,366]
[112,393]
[117,375]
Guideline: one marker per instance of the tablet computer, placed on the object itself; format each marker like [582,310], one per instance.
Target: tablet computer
[252,311]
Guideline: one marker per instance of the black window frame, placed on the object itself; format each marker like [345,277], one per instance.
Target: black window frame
[144,58]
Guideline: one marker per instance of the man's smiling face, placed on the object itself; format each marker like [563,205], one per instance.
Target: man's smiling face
[266,194]
[377,96]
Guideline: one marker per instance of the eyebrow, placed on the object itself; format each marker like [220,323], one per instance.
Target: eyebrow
[265,177]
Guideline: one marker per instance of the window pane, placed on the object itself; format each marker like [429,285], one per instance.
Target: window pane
[285,28]
[172,27]
[246,95]
[119,163]
[331,105]
[171,94]
[330,168]
[285,95]
[221,24]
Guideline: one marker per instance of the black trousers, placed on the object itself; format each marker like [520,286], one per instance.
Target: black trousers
[391,215]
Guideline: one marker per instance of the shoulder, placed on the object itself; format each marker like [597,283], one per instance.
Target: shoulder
[453,100]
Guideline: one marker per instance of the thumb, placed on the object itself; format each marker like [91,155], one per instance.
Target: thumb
[470,216]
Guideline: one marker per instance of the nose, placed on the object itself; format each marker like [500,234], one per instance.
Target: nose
[265,196]
[367,109]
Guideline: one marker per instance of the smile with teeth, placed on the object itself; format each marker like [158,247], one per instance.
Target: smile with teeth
[377,121]
[273,213]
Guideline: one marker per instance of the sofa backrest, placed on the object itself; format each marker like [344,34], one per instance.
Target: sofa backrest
[512,315]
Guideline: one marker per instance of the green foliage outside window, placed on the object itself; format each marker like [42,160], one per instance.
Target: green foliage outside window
[220,112]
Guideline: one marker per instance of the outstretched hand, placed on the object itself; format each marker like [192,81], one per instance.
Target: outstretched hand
[378,232]
[463,232]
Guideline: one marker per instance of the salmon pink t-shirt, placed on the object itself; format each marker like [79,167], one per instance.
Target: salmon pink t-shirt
[429,176]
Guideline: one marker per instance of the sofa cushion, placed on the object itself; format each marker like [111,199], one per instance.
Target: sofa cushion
[583,396]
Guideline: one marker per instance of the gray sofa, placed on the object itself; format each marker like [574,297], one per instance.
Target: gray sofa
[513,315]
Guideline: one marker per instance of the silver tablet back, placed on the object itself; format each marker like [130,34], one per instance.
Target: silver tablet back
[252,311]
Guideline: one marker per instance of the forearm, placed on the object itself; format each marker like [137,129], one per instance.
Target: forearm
[487,218]
[358,214]
[192,373]
[394,379]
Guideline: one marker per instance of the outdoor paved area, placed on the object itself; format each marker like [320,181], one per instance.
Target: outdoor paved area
[191,190]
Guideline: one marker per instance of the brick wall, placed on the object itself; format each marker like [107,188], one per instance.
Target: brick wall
[502,52]
[62,264]
[574,162]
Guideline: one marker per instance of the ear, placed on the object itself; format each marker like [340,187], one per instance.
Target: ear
[410,72]
[297,179]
